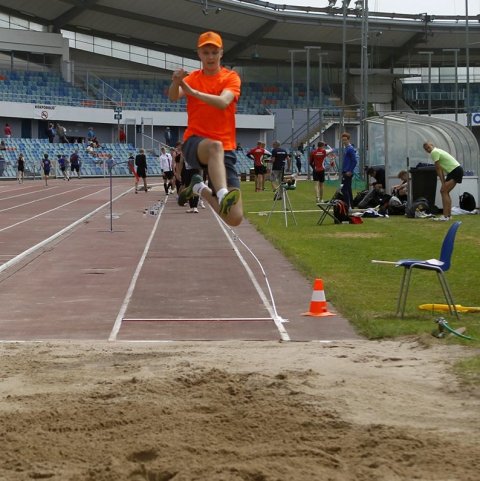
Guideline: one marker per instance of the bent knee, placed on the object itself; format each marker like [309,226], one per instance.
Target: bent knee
[215,147]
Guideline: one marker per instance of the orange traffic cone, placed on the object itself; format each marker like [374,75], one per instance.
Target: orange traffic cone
[318,304]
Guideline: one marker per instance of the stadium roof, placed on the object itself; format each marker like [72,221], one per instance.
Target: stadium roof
[261,33]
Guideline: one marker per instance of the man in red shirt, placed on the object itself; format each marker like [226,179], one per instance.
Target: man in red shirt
[7,131]
[212,94]
[317,162]
[122,136]
[259,154]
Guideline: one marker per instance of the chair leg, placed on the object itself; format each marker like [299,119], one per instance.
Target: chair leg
[448,295]
[402,297]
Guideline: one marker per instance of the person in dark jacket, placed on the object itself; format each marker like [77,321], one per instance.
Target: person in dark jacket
[141,164]
[348,167]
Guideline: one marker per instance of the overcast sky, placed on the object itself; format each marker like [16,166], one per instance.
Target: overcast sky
[434,7]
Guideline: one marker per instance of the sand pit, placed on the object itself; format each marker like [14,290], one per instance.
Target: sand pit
[253,411]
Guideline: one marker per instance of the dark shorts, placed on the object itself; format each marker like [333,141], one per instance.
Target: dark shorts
[260,169]
[46,170]
[168,174]
[190,147]
[456,175]
[20,168]
[318,176]
[141,172]
[74,168]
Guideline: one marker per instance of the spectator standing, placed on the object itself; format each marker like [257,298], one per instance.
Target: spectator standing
[178,166]
[298,161]
[51,132]
[20,168]
[46,165]
[278,159]
[90,134]
[75,163]
[166,164]
[62,134]
[348,168]
[445,163]
[132,170]
[7,131]
[122,136]
[317,163]
[141,165]
[259,154]
[212,94]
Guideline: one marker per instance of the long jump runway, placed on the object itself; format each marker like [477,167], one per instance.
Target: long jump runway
[70,271]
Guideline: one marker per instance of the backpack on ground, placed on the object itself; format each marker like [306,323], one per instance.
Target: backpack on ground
[340,211]
[396,206]
[467,202]
[359,197]
[418,208]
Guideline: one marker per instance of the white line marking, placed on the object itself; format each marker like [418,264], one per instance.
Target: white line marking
[197,319]
[56,208]
[40,199]
[32,249]
[133,282]
[278,322]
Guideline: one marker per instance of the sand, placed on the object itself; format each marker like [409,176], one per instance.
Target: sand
[252,411]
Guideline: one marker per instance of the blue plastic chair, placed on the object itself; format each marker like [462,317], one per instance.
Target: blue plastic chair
[439,266]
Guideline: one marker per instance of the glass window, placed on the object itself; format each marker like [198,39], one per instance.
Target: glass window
[18,23]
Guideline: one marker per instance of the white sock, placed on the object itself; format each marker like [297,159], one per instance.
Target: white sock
[197,188]
[221,194]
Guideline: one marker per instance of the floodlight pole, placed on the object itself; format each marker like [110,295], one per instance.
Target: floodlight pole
[455,55]
[320,91]
[364,83]
[307,49]
[345,4]
[467,61]
[292,100]
[429,81]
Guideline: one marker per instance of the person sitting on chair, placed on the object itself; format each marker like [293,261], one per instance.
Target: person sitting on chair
[378,186]
[401,190]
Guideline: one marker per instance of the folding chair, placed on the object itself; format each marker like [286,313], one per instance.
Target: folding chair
[326,211]
[327,208]
[439,266]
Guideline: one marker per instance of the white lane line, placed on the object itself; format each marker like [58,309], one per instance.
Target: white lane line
[278,321]
[55,208]
[197,319]
[133,282]
[34,248]
[29,192]
[39,200]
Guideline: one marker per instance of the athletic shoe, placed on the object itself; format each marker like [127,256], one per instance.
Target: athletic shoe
[202,204]
[228,201]
[190,211]
[195,210]
[188,193]
[442,218]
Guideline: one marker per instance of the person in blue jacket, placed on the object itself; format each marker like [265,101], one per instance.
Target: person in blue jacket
[348,167]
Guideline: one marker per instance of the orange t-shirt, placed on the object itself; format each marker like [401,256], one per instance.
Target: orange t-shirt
[211,122]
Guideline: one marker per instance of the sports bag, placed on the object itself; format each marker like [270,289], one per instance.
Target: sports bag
[340,211]
[467,202]
[418,208]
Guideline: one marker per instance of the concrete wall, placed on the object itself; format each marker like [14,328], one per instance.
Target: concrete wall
[35,42]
